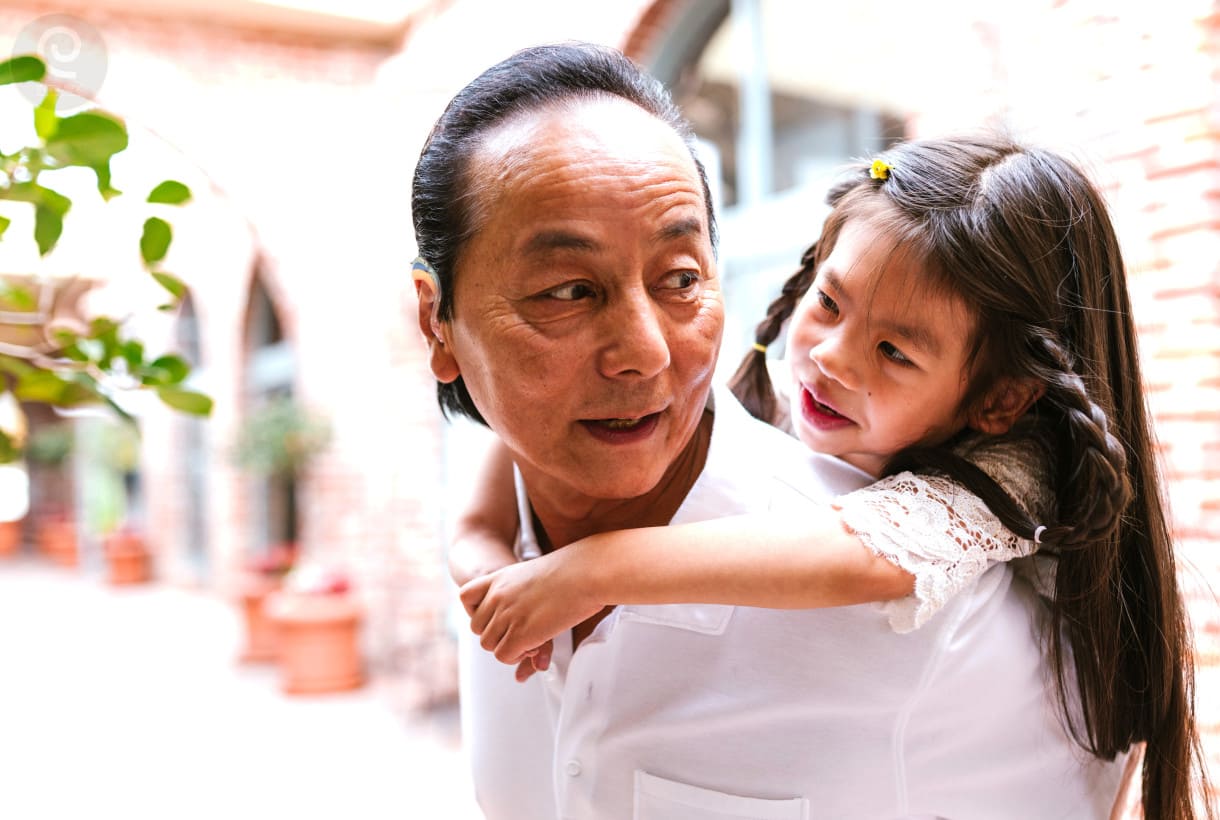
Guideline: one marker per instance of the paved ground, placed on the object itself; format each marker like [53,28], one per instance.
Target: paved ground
[129,703]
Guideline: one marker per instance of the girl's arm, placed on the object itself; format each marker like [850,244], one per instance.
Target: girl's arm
[485,530]
[483,539]
[794,562]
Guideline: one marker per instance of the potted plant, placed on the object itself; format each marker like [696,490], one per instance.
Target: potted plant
[47,452]
[275,442]
[14,479]
[317,621]
[279,437]
[261,576]
[125,548]
[13,490]
[128,559]
[10,538]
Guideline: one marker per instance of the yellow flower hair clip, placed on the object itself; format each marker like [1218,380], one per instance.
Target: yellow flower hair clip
[880,170]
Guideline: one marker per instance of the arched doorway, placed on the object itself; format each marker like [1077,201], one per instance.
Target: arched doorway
[270,373]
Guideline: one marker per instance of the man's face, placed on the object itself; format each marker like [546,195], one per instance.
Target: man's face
[587,312]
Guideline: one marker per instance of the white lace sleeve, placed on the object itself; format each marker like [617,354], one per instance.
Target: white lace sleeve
[939,531]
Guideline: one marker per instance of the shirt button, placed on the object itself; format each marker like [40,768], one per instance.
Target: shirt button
[573,768]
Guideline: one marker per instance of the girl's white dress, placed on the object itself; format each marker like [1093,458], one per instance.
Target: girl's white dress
[944,534]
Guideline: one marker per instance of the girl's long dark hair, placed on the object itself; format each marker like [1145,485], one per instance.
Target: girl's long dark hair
[1025,240]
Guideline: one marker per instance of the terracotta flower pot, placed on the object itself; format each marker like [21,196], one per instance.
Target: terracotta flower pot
[57,540]
[261,575]
[10,538]
[318,641]
[253,591]
[127,558]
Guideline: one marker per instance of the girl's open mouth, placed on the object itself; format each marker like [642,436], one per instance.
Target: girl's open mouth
[821,415]
[826,409]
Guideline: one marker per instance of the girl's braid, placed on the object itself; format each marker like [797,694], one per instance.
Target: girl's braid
[752,383]
[1092,472]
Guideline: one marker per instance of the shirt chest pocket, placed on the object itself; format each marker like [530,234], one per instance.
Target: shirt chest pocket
[659,799]
[706,619]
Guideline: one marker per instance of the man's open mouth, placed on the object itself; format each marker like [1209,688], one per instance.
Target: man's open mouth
[622,424]
[622,429]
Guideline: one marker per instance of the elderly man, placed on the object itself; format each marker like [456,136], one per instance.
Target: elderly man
[580,318]
[569,296]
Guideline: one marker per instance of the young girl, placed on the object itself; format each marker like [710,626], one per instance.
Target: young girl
[961,330]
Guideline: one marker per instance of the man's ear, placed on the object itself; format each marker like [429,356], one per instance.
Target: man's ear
[436,333]
[1004,404]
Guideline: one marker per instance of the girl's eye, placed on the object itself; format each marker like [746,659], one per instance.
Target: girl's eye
[827,303]
[571,292]
[680,280]
[893,354]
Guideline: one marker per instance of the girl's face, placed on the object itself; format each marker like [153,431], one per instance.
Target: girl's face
[879,362]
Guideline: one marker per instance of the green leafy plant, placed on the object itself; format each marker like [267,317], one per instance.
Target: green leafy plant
[279,438]
[118,447]
[69,364]
[50,445]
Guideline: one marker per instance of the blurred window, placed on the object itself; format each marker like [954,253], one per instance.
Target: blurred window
[781,96]
[193,463]
[270,373]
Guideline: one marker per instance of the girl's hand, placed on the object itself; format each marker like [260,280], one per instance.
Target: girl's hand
[537,660]
[520,607]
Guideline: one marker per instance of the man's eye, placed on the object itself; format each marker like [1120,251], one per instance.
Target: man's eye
[893,354]
[570,293]
[680,280]
[827,303]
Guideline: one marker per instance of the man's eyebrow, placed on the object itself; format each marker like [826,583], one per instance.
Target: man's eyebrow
[679,229]
[558,240]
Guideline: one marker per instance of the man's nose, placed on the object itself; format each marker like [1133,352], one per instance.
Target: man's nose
[635,341]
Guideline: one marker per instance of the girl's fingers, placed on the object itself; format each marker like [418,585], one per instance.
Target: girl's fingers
[479,619]
[492,637]
[472,594]
[507,650]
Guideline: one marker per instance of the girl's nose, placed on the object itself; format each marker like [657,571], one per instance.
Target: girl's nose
[835,360]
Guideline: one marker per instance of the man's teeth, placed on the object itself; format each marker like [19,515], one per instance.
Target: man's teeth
[621,424]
